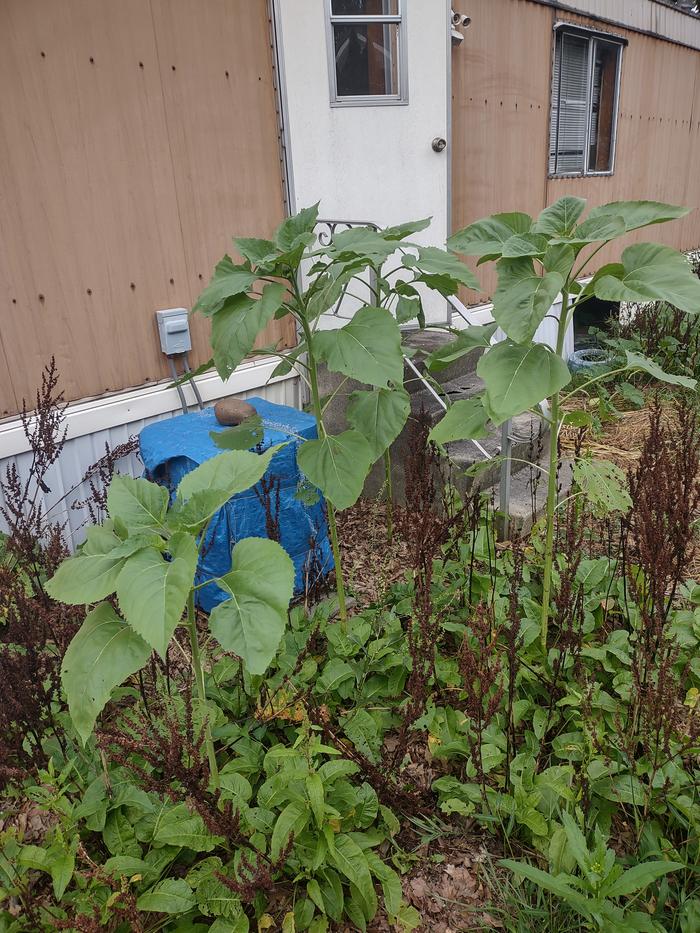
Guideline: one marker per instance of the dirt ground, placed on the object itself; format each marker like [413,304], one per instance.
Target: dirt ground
[372,562]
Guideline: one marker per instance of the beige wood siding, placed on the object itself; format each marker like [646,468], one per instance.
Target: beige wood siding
[501,110]
[135,138]
[499,114]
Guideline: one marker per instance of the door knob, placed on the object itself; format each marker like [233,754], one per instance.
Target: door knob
[439,144]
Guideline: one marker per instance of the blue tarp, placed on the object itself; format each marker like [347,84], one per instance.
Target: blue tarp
[174,447]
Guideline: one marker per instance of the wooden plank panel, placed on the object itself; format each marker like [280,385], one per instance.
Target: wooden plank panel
[8,399]
[216,70]
[90,240]
[135,138]
[501,77]
[690,235]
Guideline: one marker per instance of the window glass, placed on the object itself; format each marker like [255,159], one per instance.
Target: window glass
[365,7]
[603,105]
[366,59]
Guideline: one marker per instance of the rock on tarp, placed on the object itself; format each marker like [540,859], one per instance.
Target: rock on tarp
[174,447]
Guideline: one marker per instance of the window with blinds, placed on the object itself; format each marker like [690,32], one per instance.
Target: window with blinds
[584,104]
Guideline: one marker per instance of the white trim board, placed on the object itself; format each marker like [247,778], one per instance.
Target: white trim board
[99,414]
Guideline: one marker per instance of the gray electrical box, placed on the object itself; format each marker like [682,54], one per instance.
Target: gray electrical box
[174,331]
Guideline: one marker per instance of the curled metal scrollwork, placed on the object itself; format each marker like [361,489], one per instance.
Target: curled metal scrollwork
[326,229]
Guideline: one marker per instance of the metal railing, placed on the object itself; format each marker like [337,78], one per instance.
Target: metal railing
[325,230]
[506,450]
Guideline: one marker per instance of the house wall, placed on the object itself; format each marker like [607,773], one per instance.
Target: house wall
[135,139]
[142,138]
[501,113]
[369,163]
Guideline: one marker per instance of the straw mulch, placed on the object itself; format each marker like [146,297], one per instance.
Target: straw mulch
[620,440]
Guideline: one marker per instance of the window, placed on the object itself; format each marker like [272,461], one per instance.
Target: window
[367,51]
[584,104]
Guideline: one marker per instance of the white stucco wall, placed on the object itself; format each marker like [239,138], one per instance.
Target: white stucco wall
[368,163]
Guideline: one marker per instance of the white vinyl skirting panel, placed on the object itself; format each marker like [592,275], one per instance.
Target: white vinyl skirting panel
[113,420]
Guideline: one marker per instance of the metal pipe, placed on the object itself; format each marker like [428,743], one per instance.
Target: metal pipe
[425,382]
[183,400]
[456,305]
[504,485]
[195,387]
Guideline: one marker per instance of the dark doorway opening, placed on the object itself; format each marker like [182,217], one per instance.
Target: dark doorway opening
[594,315]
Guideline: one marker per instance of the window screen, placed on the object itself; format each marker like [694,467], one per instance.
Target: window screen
[584,102]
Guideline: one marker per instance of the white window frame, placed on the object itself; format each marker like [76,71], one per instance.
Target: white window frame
[592,36]
[368,100]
